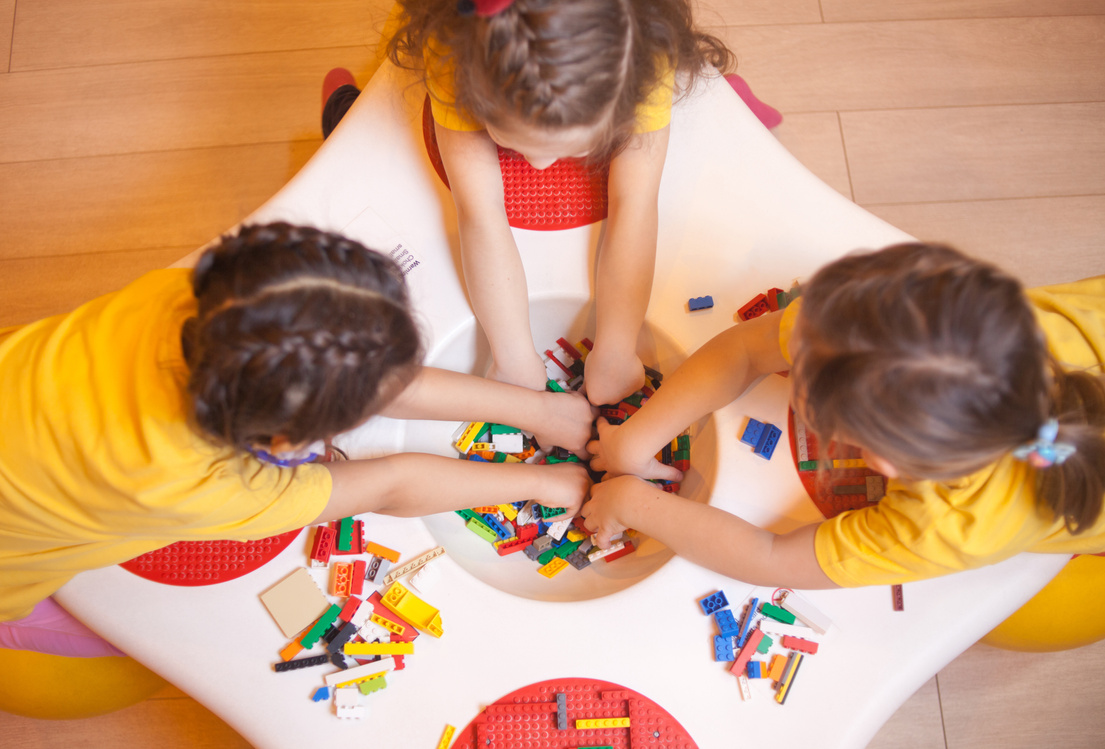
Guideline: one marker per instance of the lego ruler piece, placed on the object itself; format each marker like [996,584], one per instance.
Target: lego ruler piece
[195,563]
[839,488]
[529,717]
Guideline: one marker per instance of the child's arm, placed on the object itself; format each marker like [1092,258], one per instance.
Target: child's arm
[493,271]
[716,374]
[705,535]
[415,484]
[623,279]
[560,419]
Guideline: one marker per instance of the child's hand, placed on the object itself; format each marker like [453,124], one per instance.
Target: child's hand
[525,370]
[567,422]
[609,376]
[609,453]
[566,486]
[602,514]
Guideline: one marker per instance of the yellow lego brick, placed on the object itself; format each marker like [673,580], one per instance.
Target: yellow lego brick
[468,436]
[508,512]
[413,609]
[602,723]
[553,568]
[852,463]
[379,648]
[388,624]
[482,446]
[446,737]
[575,534]
[512,459]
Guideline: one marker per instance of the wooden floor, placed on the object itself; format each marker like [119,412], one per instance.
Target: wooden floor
[133,131]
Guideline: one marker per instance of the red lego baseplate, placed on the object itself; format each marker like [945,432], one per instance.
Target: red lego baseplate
[528,718]
[195,563]
[568,194]
[819,484]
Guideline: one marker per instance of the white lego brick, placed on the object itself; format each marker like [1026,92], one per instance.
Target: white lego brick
[801,442]
[412,565]
[427,579]
[360,672]
[559,528]
[508,443]
[806,612]
[347,703]
[596,553]
[775,630]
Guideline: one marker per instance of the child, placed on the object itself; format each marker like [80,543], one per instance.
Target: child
[555,79]
[984,406]
[137,420]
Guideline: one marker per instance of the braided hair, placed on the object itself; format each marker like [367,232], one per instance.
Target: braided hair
[559,63]
[299,333]
[934,361]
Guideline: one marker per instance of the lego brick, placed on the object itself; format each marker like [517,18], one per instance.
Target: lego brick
[481,529]
[413,609]
[627,548]
[467,437]
[322,693]
[797,643]
[777,667]
[745,654]
[291,650]
[356,588]
[295,602]
[345,535]
[349,609]
[778,629]
[752,432]
[381,551]
[700,302]
[876,488]
[375,684]
[898,597]
[388,624]
[746,622]
[553,567]
[776,613]
[347,704]
[561,711]
[602,723]
[754,308]
[341,579]
[745,688]
[724,648]
[446,737]
[359,673]
[809,614]
[727,624]
[596,553]
[850,463]
[765,448]
[413,565]
[788,678]
[508,443]
[377,567]
[753,670]
[713,602]
[346,633]
[323,544]
[320,627]
[765,644]
[295,665]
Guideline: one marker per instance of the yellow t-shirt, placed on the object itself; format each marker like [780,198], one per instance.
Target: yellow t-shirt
[652,114]
[929,528]
[98,460]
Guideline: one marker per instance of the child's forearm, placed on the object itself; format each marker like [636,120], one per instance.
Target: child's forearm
[416,484]
[723,542]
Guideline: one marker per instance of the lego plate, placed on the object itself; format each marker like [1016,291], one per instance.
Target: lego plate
[571,713]
[839,488]
[193,563]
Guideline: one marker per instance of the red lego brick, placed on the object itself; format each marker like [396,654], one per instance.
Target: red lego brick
[629,549]
[746,652]
[360,567]
[758,306]
[799,644]
[323,544]
[350,608]
[773,299]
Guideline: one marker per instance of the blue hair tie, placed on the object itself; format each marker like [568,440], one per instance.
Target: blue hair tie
[267,457]
[1044,451]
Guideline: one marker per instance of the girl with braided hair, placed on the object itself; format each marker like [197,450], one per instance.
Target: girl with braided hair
[983,404]
[175,408]
[554,79]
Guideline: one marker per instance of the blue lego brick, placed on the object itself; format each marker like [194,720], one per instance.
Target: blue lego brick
[727,625]
[713,602]
[753,432]
[494,524]
[700,302]
[753,669]
[724,649]
[765,448]
[746,624]
[322,693]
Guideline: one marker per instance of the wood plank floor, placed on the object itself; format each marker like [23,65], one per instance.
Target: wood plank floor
[134,130]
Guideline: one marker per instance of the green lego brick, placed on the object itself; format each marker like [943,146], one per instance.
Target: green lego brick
[765,644]
[482,530]
[499,458]
[503,429]
[807,465]
[681,455]
[319,629]
[549,512]
[683,442]
[554,386]
[776,613]
[345,535]
[567,548]
[467,514]
[546,557]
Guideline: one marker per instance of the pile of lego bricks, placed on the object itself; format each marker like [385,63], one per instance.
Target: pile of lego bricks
[547,535]
[366,621]
[783,632]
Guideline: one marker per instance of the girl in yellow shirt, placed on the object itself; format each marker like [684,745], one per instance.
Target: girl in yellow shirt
[176,408]
[555,79]
[983,404]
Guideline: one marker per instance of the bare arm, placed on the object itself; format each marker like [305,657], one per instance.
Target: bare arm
[715,375]
[705,535]
[627,259]
[493,269]
[561,419]
[415,484]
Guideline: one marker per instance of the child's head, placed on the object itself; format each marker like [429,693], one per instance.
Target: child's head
[300,334]
[551,65]
[934,362]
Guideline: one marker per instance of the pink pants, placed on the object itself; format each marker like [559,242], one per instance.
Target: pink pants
[53,630]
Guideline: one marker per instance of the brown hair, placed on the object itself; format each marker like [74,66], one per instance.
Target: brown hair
[934,361]
[299,333]
[559,63]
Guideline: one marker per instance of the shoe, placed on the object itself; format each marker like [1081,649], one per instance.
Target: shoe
[334,80]
[768,115]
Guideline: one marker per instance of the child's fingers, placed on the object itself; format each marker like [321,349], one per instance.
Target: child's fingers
[661,472]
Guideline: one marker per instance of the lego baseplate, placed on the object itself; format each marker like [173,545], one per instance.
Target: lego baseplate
[196,563]
[568,194]
[574,712]
[833,490]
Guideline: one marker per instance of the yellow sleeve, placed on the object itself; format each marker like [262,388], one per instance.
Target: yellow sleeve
[654,113]
[786,327]
[1072,317]
[441,85]
[927,529]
